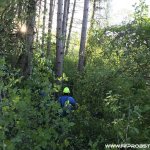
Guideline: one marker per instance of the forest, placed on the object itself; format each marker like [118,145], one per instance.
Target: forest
[45,47]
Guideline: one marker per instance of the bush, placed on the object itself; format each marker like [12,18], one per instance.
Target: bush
[30,120]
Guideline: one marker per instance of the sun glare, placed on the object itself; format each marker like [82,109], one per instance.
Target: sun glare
[23,28]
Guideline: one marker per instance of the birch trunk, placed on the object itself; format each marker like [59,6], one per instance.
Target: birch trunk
[38,21]
[70,28]
[64,23]
[93,14]
[43,29]
[51,12]
[83,36]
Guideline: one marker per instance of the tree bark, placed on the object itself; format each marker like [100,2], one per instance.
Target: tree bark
[30,35]
[93,14]
[64,23]
[83,36]
[43,29]
[51,12]
[59,49]
[38,22]
[70,28]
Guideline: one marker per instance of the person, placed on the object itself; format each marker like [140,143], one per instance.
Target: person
[67,102]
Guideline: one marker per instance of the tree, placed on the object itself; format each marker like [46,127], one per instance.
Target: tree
[65,19]
[70,28]
[59,48]
[43,29]
[51,12]
[38,21]
[83,36]
[30,23]
[93,14]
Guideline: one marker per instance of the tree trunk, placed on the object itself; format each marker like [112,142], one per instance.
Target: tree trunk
[43,29]
[83,36]
[38,22]
[93,14]
[65,19]
[30,35]
[70,28]
[59,49]
[51,12]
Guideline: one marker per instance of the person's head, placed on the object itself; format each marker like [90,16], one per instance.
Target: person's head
[66,91]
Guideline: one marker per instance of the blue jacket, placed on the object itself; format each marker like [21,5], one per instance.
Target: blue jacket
[63,99]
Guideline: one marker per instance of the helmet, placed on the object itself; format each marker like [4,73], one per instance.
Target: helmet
[66,90]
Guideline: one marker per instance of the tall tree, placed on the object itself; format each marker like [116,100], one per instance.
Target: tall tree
[70,28]
[51,12]
[93,14]
[31,12]
[64,23]
[38,21]
[59,49]
[43,29]
[83,36]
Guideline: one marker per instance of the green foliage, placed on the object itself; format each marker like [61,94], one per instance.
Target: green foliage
[113,92]
[28,118]
[12,41]
[115,87]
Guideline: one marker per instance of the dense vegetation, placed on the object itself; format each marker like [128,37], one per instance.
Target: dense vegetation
[113,90]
